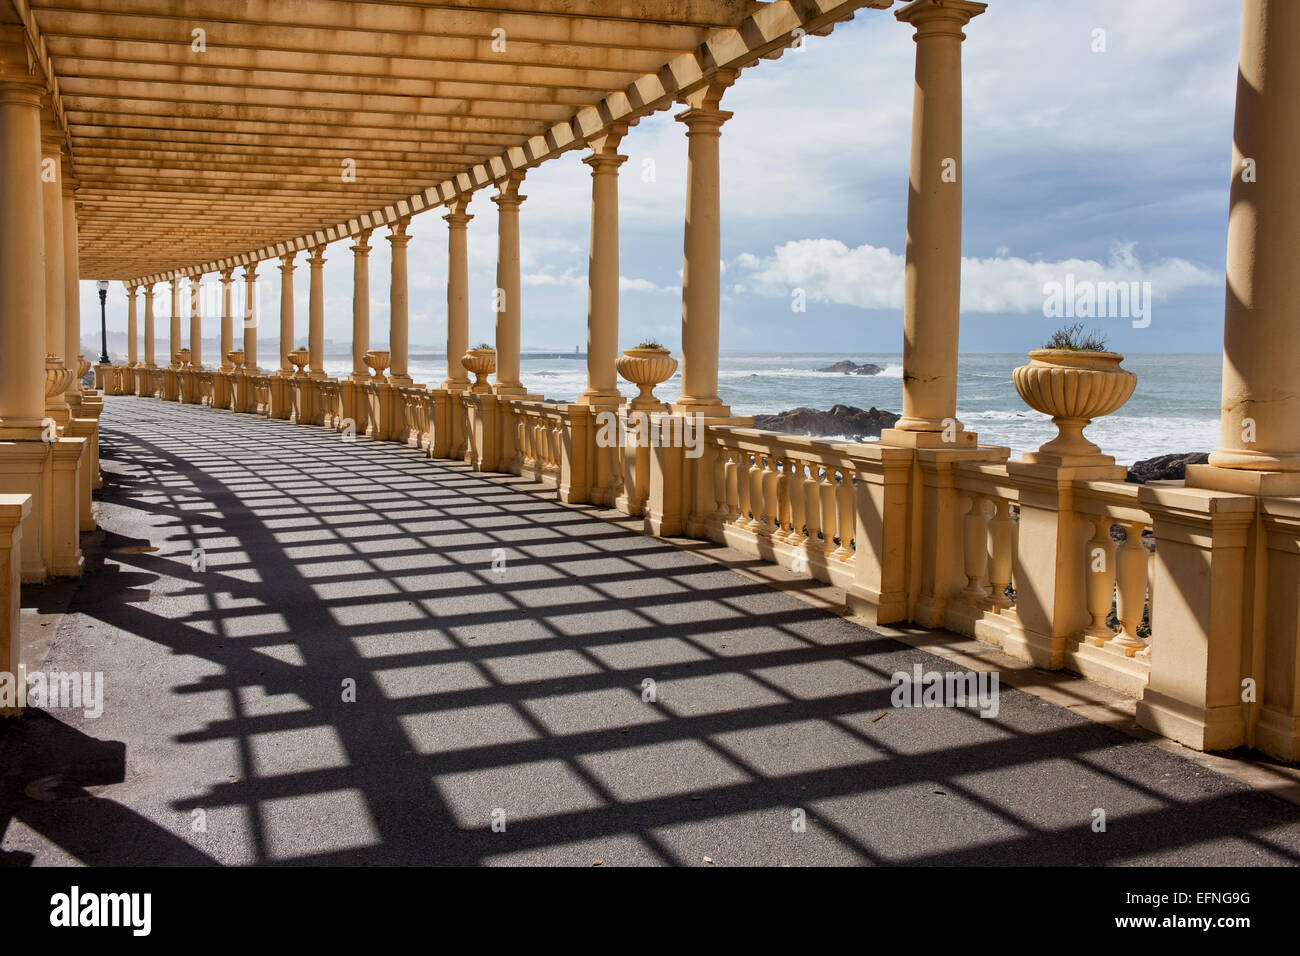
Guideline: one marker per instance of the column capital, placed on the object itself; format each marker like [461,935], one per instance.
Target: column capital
[709,94]
[228,274]
[939,17]
[508,194]
[317,257]
[397,232]
[606,142]
[287,264]
[604,162]
[130,288]
[361,244]
[703,121]
[250,271]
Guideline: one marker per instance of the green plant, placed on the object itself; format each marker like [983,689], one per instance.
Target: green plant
[483,345]
[1075,339]
[651,343]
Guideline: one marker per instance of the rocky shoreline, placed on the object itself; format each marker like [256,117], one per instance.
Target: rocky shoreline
[839,421]
[846,367]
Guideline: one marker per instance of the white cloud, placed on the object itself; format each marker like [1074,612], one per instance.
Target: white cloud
[871,277]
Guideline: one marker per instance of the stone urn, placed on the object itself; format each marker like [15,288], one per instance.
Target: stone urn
[377,360]
[482,362]
[645,368]
[236,358]
[1074,386]
[57,377]
[299,358]
[182,357]
[82,366]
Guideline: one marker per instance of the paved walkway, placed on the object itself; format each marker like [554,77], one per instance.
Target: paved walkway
[498,646]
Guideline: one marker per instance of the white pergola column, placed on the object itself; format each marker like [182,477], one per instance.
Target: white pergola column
[22,240]
[1260,409]
[251,317]
[399,306]
[602,270]
[457,293]
[702,248]
[360,305]
[506,299]
[932,284]
[174,344]
[132,326]
[150,335]
[316,313]
[227,317]
[286,312]
[196,322]
[71,278]
[56,345]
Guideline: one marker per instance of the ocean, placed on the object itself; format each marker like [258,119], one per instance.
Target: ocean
[1175,407]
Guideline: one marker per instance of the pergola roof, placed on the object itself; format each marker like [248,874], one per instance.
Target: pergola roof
[191,160]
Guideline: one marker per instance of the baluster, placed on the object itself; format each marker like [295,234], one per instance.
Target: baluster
[1100,564]
[846,506]
[781,481]
[1000,532]
[743,489]
[1131,581]
[826,488]
[720,459]
[795,502]
[733,486]
[975,551]
[812,509]
[771,500]
[756,493]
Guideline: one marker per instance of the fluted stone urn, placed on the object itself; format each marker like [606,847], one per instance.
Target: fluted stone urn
[645,368]
[377,360]
[57,377]
[1074,386]
[482,362]
[182,357]
[236,358]
[299,358]
[82,366]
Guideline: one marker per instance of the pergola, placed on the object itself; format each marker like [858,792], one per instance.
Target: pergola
[155,141]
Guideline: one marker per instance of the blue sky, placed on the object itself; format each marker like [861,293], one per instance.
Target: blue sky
[1108,165]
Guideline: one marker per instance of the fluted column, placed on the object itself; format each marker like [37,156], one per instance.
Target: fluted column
[1260,409]
[932,284]
[196,321]
[71,278]
[316,314]
[398,304]
[150,336]
[174,343]
[132,327]
[602,270]
[506,300]
[251,317]
[22,239]
[457,293]
[227,317]
[702,245]
[55,289]
[360,305]
[286,312]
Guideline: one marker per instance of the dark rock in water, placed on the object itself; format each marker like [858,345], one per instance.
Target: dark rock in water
[840,421]
[1165,467]
[853,368]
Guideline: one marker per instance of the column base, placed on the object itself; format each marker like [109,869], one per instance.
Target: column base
[1201,728]
[919,438]
[1244,481]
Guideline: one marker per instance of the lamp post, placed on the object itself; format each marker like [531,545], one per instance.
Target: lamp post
[102,285]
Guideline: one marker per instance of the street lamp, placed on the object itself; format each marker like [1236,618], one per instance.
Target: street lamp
[102,285]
